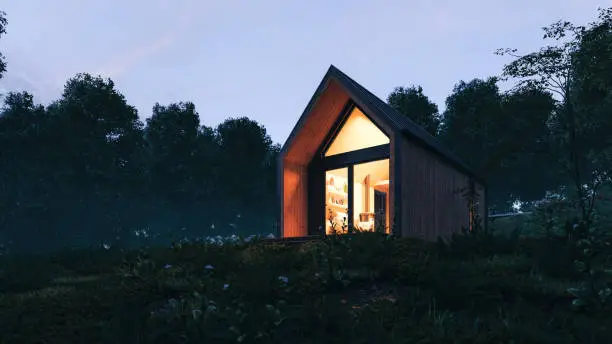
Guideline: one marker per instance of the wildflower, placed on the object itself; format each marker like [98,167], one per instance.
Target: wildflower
[225,286]
[283,279]
[209,267]
[106,246]
[167,266]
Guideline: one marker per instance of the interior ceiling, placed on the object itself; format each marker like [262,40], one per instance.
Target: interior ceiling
[378,170]
[358,132]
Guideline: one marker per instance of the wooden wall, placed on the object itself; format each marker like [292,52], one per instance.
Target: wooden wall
[310,133]
[295,200]
[392,182]
[432,203]
[312,130]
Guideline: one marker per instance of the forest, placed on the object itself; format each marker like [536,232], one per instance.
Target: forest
[109,225]
[85,170]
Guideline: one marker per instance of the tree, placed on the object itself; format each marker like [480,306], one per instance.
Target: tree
[415,105]
[25,182]
[527,169]
[469,122]
[97,130]
[480,125]
[172,134]
[247,158]
[98,158]
[557,69]
[592,81]
[3,23]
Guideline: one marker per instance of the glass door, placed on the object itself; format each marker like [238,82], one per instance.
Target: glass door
[336,201]
[357,196]
[371,196]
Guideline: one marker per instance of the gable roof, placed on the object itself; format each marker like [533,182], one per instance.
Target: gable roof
[384,111]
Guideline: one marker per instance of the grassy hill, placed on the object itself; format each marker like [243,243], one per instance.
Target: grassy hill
[364,288]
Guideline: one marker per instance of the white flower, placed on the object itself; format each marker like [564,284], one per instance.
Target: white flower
[283,279]
[225,286]
[209,267]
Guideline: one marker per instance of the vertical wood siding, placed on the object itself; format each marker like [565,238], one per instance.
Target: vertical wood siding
[391,196]
[432,202]
[317,124]
[294,177]
[295,197]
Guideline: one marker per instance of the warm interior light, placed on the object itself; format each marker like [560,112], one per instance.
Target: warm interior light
[358,132]
[371,195]
[336,200]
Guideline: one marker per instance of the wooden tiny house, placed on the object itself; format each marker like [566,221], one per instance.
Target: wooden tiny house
[352,161]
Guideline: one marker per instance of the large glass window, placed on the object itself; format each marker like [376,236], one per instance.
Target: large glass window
[371,196]
[336,200]
[356,191]
[358,132]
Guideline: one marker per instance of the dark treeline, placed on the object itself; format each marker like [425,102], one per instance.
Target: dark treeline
[549,132]
[85,170]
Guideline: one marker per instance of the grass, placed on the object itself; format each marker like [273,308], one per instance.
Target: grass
[359,289]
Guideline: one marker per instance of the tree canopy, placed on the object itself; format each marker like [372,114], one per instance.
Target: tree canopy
[415,105]
[580,125]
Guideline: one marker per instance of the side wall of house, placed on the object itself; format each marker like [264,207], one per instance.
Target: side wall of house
[295,200]
[432,200]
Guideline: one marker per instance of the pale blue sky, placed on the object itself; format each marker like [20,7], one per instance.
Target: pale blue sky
[263,59]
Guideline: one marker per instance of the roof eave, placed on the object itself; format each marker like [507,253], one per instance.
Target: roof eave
[313,100]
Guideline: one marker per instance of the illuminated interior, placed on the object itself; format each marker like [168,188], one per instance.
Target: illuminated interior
[370,180]
[336,200]
[358,132]
[371,196]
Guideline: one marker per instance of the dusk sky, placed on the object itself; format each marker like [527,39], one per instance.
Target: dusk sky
[263,59]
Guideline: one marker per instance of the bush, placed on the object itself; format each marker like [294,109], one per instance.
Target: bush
[360,288]
[478,243]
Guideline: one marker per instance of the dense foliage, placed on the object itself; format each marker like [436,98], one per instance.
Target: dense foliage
[363,288]
[411,102]
[85,170]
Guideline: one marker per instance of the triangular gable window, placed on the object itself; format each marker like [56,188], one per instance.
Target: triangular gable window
[358,132]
